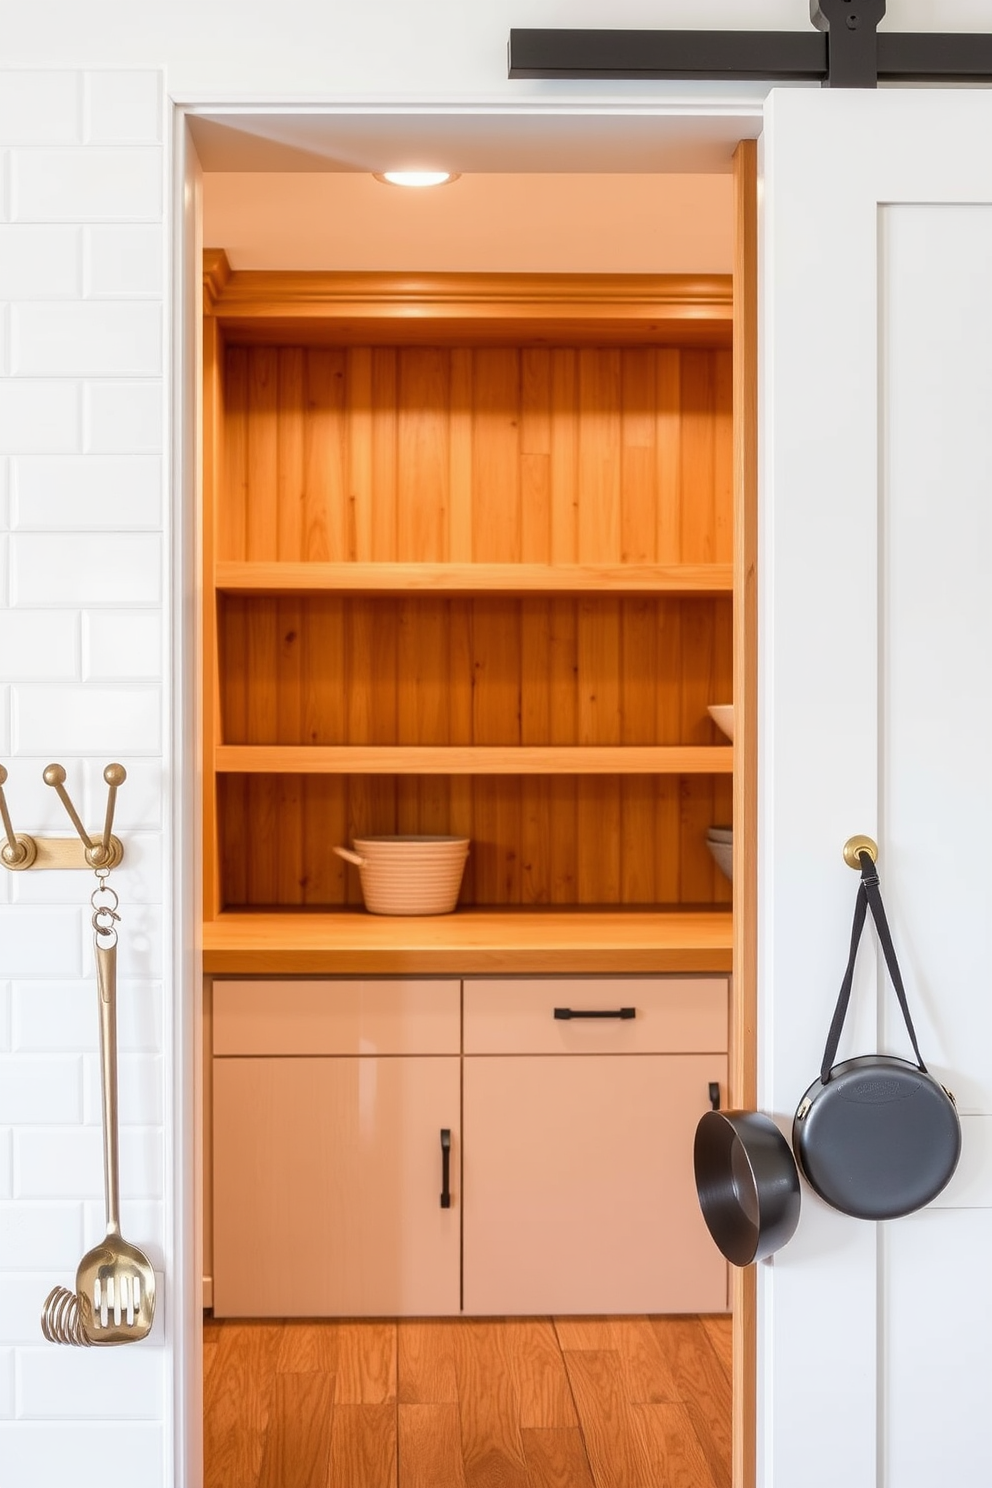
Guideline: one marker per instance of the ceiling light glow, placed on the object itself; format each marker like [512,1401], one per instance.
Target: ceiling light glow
[416,178]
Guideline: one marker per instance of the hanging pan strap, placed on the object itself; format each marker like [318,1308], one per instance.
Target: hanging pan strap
[868,898]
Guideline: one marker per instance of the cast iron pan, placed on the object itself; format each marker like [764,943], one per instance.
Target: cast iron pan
[747,1184]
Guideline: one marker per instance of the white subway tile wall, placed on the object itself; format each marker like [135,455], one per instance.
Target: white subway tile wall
[83,655]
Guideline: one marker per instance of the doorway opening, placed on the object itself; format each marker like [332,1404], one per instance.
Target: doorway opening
[270,386]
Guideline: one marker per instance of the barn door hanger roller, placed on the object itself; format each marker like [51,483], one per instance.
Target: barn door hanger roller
[845,51]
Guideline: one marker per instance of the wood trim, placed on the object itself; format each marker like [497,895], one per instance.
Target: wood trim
[743,1066]
[210,716]
[473,578]
[513,940]
[375,308]
[216,273]
[508,759]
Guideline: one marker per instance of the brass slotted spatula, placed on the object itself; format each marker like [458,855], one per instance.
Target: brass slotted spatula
[115,1283]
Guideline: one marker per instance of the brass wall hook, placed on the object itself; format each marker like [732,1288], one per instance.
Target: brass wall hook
[20,851]
[855,845]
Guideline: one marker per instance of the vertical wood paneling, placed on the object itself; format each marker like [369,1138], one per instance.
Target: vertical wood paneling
[433,453]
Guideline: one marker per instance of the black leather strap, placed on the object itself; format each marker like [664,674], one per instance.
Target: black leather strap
[868,898]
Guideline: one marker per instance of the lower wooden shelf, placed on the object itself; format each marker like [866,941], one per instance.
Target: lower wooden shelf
[470,941]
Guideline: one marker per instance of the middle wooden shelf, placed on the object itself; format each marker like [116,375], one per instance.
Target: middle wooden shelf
[501,759]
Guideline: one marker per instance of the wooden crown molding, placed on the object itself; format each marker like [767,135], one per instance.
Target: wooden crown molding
[271,305]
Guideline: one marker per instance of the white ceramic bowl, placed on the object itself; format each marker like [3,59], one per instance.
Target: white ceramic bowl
[409,875]
[722,715]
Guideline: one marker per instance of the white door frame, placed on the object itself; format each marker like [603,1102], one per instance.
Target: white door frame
[183,1155]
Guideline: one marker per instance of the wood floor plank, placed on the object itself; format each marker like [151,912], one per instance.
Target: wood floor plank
[236,1405]
[704,1388]
[544,1392]
[430,1446]
[363,1447]
[366,1363]
[308,1348]
[586,1333]
[489,1407]
[556,1458]
[675,1455]
[720,1332]
[648,1378]
[612,1430]
[425,1362]
[298,1441]
[211,1342]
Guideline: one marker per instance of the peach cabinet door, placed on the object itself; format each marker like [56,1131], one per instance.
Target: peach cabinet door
[579,1189]
[327,1187]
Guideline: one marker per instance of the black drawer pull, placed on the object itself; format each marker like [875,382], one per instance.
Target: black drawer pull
[445,1167]
[715,1095]
[567,1013]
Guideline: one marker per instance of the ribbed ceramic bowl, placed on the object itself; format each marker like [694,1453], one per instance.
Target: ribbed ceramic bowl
[722,715]
[720,841]
[409,875]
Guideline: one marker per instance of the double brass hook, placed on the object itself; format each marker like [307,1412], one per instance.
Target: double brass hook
[20,851]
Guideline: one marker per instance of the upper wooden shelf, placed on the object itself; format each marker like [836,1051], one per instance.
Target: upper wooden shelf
[274,307]
[471,940]
[500,759]
[473,578]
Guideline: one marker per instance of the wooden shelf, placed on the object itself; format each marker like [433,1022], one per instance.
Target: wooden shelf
[474,578]
[469,941]
[500,759]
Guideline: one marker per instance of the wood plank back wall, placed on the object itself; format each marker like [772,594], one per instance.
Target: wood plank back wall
[476,454]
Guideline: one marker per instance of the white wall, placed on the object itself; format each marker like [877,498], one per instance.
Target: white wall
[83,657]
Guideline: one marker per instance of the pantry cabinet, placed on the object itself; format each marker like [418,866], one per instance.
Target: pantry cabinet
[417,1147]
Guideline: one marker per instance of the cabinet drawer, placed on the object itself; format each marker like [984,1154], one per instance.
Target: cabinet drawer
[673,1015]
[337,1017]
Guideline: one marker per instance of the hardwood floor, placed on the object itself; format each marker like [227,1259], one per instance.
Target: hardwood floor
[631,1402]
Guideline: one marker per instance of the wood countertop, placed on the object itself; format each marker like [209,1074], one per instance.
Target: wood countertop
[282,943]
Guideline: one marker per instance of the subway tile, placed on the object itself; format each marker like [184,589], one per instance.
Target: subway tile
[119,1384]
[122,261]
[40,1236]
[74,720]
[40,263]
[4,574]
[37,804]
[40,108]
[4,492]
[138,881]
[123,107]
[139,804]
[52,1016]
[87,339]
[92,185]
[39,417]
[41,1090]
[141,1090]
[114,493]
[40,645]
[4,689]
[5,355]
[6,998]
[85,569]
[123,417]
[142,1220]
[4,185]
[39,942]
[121,645]
[22,1293]
[6,1384]
[54,1162]
[82,1454]
[6,1162]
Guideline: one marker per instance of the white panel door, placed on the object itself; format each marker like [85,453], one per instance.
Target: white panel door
[876,675]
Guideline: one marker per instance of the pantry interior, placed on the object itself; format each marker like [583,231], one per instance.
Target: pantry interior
[478,553]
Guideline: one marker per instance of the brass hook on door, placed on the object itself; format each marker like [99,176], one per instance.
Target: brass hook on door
[857,845]
[20,851]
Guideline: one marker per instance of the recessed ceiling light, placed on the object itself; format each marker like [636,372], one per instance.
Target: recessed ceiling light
[416,178]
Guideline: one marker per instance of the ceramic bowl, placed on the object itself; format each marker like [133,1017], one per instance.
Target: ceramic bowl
[409,875]
[722,715]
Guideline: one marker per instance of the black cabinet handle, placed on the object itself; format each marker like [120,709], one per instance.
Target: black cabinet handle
[714,1095]
[567,1013]
[445,1167]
